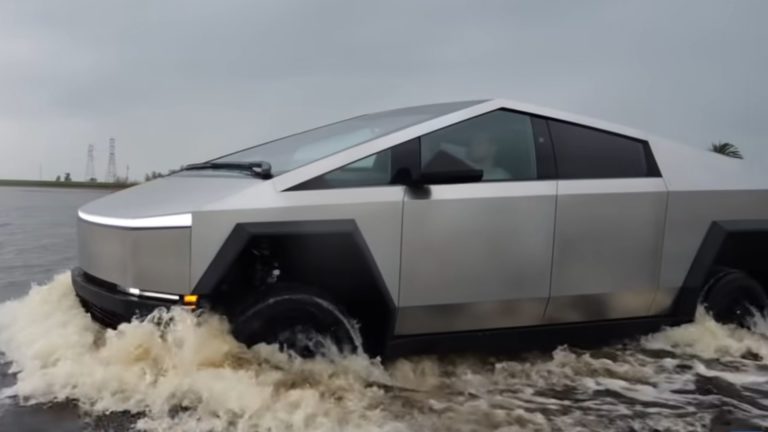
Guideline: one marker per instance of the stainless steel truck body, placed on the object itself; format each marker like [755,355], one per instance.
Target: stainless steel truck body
[446,226]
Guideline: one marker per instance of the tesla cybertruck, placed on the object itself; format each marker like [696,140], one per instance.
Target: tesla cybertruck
[454,226]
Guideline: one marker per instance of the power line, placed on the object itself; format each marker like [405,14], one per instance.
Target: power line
[111,165]
[90,172]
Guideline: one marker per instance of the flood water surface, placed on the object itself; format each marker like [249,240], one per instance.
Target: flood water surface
[179,371]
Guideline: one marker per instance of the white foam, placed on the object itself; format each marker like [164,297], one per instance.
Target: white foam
[758,323]
[708,339]
[740,377]
[188,363]
[181,371]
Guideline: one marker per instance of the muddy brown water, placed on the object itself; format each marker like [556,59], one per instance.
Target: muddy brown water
[183,372]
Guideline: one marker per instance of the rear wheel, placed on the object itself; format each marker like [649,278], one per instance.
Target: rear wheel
[299,319]
[733,298]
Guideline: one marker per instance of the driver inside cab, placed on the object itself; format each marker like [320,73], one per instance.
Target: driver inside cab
[482,155]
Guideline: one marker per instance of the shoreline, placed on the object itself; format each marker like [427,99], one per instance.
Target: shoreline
[65,185]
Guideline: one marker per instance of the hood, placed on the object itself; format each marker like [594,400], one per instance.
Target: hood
[167,196]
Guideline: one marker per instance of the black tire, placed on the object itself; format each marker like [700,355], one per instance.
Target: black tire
[298,319]
[732,296]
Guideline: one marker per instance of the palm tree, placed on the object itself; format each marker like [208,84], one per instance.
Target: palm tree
[727,149]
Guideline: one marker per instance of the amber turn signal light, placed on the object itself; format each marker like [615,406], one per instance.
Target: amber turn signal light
[190,300]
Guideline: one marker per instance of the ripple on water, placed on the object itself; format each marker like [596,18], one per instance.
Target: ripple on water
[183,371]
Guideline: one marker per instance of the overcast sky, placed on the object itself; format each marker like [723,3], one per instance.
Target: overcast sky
[182,81]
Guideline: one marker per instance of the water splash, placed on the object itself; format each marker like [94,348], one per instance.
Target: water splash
[178,368]
[706,338]
[179,371]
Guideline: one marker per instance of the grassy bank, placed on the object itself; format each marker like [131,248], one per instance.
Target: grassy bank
[63,184]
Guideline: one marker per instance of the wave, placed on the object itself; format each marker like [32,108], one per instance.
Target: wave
[180,371]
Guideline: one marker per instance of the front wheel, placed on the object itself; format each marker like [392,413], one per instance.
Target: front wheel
[734,297]
[298,319]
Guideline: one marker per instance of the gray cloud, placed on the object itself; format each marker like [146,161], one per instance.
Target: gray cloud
[179,81]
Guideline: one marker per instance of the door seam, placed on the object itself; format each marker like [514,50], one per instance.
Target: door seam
[400,266]
[661,252]
[552,259]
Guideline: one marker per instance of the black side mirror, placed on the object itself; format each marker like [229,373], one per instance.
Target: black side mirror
[404,176]
[446,168]
[442,168]
[416,188]
[453,176]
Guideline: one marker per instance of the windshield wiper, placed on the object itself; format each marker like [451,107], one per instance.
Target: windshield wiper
[261,169]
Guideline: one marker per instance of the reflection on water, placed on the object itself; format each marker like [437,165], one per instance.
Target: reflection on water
[181,371]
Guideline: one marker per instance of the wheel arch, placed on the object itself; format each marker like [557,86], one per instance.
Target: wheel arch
[727,245]
[330,255]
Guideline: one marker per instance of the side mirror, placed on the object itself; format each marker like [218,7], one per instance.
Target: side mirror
[416,188]
[446,168]
[452,176]
[405,177]
[442,168]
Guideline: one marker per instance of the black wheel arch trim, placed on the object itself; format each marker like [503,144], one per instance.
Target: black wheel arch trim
[243,233]
[705,261]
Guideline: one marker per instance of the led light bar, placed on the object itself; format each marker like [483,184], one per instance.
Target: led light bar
[181,220]
[140,293]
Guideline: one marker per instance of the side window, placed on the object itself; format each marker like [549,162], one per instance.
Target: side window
[501,143]
[375,170]
[585,153]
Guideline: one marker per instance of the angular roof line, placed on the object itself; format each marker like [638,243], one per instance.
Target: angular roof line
[566,116]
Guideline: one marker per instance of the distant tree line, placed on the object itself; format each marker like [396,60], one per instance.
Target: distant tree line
[153,175]
[157,174]
[68,178]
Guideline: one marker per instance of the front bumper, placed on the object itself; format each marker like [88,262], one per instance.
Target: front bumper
[106,304]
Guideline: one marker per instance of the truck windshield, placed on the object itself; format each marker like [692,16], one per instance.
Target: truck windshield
[293,151]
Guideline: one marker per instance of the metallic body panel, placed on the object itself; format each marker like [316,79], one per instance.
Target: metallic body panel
[148,259]
[180,193]
[478,243]
[376,210]
[608,243]
[689,216]
[663,300]
[473,256]
[704,187]
[468,316]
[221,192]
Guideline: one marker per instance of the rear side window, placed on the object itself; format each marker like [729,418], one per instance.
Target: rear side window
[586,153]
